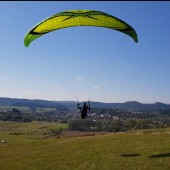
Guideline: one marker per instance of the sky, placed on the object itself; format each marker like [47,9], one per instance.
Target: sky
[86,63]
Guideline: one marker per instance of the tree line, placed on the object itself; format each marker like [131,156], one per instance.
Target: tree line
[124,120]
[16,115]
[114,125]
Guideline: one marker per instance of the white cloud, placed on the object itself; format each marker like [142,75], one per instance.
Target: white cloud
[79,78]
[96,87]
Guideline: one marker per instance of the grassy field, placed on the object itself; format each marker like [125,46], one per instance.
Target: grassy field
[25,109]
[27,149]
[7,108]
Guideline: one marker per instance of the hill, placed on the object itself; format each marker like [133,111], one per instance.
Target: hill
[32,103]
[28,148]
[65,105]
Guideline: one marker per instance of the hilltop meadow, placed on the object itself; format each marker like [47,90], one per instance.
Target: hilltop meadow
[31,146]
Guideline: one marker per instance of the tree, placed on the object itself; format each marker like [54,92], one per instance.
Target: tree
[74,124]
[142,124]
[56,132]
[98,125]
[130,123]
[115,126]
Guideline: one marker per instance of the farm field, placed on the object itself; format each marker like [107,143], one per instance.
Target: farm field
[24,109]
[29,148]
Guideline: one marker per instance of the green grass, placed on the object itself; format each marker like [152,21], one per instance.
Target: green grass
[143,150]
[7,108]
[39,109]
[33,130]
[25,109]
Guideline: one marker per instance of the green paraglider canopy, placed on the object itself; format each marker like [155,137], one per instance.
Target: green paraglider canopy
[74,18]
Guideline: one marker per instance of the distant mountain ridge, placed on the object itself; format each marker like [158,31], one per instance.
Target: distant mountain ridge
[66,105]
[4,101]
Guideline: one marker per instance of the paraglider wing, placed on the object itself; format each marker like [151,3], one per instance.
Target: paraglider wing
[74,18]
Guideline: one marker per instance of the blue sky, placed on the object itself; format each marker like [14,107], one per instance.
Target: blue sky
[86,63]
